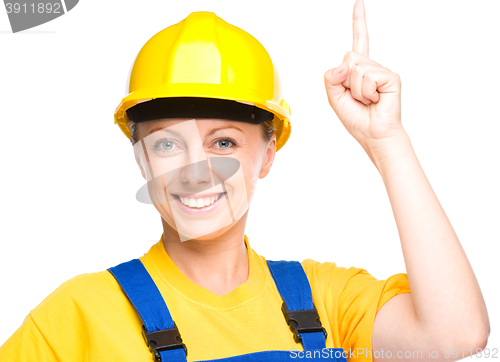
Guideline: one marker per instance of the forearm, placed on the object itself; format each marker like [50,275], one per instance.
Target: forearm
[446,296]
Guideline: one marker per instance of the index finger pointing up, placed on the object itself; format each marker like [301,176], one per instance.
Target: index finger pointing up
[359,29]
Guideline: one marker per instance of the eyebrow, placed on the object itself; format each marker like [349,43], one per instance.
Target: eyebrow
[159,128]
[221,128]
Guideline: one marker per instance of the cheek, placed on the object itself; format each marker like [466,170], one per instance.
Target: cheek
[238,175]
[160,186]
[251,170]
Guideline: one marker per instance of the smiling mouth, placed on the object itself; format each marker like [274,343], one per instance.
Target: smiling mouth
[198,203]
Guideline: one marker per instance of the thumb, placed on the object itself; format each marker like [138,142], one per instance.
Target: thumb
[333,82]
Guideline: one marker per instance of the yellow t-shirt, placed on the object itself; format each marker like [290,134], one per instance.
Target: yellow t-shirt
[89,318]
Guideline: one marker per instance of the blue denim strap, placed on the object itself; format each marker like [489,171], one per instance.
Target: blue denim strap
[147,300]
[294,288]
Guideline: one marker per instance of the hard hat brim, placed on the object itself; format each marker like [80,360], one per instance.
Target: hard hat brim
[281,113]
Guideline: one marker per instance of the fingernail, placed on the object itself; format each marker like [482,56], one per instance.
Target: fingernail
[339,69]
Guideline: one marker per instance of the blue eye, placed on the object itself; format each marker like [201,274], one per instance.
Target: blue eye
[164,145]
[225,143]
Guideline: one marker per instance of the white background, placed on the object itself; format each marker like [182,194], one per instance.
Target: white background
[69,178]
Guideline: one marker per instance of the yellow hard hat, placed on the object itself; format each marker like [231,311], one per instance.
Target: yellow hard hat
[205,57]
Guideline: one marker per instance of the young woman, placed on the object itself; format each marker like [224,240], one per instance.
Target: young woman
[205,118]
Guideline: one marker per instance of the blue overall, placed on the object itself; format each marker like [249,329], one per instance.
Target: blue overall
[164,341]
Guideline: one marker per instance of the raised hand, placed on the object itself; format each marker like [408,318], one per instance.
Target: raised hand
[365,95]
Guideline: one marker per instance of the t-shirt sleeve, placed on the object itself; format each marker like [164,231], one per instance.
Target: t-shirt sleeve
[351,298]
[59,328]
[27,344]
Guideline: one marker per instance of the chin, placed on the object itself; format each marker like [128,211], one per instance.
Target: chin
[203,234]
[205,230]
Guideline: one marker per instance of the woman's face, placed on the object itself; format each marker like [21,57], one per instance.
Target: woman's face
[202,173]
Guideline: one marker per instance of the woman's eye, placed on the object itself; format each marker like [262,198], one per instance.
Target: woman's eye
[225,143]
[165,146]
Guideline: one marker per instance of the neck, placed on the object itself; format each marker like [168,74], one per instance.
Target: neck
[218,265]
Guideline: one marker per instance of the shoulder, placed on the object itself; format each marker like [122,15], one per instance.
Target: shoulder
[328,274]
[84,286]
[88,291]
[353,285]
[82,319]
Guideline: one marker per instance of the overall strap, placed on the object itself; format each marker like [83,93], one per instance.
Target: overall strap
[159,329]
[298,307]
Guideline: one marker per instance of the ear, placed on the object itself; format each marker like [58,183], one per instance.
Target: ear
[138,158]
[268,158]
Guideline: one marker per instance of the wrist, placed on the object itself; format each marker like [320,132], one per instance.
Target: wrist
[386,150]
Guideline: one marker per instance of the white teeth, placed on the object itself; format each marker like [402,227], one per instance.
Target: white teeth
[199,203]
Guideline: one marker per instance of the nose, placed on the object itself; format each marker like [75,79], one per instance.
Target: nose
[196,174]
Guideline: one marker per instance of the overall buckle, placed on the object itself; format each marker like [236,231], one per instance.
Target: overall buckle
[165,339]
[302,321]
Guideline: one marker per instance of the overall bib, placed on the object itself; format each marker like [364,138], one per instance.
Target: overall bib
[163,338]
